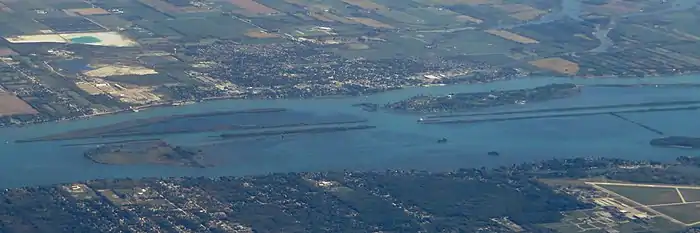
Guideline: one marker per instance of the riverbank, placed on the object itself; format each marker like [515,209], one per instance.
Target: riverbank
[398,142]
[602,80]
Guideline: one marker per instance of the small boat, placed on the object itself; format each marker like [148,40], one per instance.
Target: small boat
[442,140]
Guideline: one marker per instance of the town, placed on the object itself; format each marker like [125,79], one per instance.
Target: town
[558,195]
[72,58]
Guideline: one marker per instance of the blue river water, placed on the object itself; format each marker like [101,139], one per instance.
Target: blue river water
[398,142]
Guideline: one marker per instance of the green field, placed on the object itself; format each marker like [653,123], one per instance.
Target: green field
[646,195]
[210,27]
[110,21]
[690,195]
[686,213]
[577,221]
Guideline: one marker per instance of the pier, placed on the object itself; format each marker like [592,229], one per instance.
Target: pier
[653,130]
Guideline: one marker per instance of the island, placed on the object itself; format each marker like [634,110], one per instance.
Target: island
[211,121]
[677,142]
[368,107]
[156,152]
[308,130]
[460,102]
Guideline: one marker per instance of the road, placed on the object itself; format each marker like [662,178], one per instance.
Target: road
[657,213]
[645,185]
[649,207]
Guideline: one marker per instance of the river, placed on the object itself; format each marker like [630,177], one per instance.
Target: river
[571,9]
[397,143]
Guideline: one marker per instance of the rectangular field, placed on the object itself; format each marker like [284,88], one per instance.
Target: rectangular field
[646,195]
[466,18]
[686,213]
[253,7]
[528,15]
[512,36]
[260,34]
[370,22]
[460,2]
[87,11]
[70,24]
[161,6]
[690,195]
[12,105]
[558,65]
[366,4]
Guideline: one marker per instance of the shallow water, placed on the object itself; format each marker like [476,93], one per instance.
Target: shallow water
[398,142]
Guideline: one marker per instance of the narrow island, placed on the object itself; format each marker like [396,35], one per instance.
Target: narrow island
[460,102]
[149,152]
[368,107]
[313,130]
[677,142]
[136,127]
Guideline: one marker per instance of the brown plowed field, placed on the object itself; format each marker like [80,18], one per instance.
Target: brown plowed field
[11,105]
[253,7]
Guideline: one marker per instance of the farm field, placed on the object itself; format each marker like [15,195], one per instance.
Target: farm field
[558,65]
[11,105]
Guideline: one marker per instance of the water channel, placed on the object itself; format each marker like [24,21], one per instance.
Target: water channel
[571,9]
[398,142]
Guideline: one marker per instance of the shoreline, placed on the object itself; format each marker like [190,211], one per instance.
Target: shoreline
[169,104]
[398,143]
[148,153]
[82,134]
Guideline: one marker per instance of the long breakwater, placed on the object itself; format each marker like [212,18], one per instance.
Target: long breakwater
[613,110]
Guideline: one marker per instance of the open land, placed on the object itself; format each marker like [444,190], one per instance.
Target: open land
[558,65]
[145,152]
[690,195]
[253,7]
[512,36]
[71,58]
[11,105]
[661,200]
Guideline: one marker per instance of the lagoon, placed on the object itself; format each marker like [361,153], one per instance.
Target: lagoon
[397,143]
